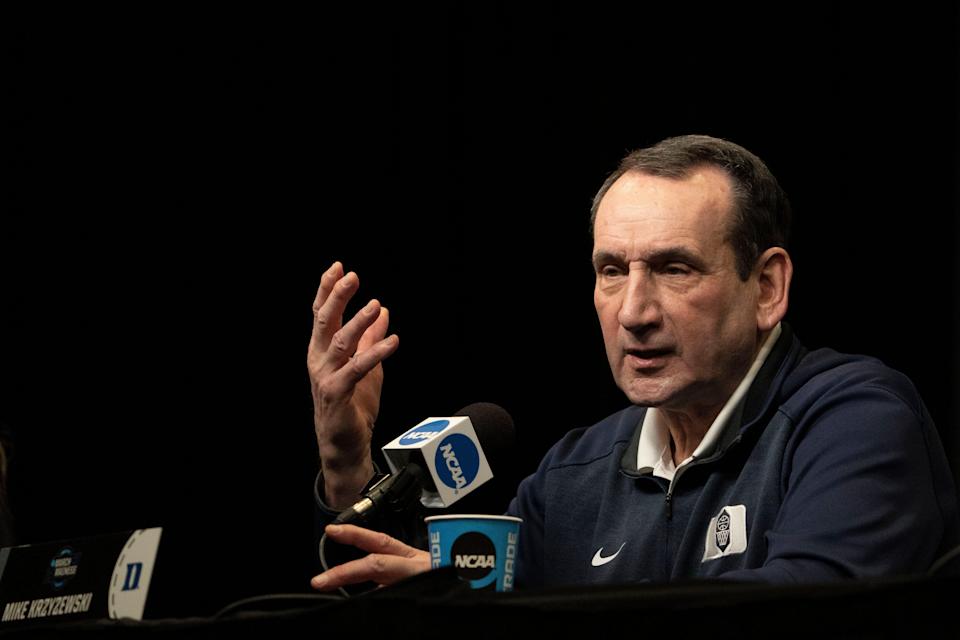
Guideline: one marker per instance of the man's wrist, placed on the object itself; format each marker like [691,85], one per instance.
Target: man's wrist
[319,491]
[344,487]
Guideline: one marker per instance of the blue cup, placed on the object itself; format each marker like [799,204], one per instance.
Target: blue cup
[482,548]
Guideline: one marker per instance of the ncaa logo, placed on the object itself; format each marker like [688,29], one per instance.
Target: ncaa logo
[457,461]
[475,559]
[423,432]
[722,532]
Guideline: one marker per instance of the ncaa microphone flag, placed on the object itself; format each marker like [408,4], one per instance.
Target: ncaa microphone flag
[449,450]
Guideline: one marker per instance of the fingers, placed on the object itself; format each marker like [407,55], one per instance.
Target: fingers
[329,333]
[371,349]
[327,280]
[334,293]
[389,561]
[343,343]
[376,331]
[361,343]
[340,370]
[368,540]
[362,364]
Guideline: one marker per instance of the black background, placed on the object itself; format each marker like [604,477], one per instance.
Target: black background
[178,183]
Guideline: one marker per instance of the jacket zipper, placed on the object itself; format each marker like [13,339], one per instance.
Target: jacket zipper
[676,476]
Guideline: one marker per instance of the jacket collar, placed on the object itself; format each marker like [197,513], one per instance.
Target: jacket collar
[757,403]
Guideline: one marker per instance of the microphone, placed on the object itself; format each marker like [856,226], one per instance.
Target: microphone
[392,494]
[439,461]
[453,451]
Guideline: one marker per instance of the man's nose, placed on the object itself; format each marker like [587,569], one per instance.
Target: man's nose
[640,307]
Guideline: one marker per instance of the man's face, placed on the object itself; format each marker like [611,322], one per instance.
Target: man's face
[679,325]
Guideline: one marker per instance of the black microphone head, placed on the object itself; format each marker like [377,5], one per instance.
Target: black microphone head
[497,436]
[494,427]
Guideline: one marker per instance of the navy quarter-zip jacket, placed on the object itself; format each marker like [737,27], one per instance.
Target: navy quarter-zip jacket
[832,469]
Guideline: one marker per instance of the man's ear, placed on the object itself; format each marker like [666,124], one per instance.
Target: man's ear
[773,272]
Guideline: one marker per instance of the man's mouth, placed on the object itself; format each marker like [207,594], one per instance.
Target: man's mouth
[647,358]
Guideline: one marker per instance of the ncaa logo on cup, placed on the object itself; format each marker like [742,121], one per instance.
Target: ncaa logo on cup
[457,461]
[423,432]
[475,558]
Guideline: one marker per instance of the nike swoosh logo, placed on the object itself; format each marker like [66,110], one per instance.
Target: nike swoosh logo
[599,560]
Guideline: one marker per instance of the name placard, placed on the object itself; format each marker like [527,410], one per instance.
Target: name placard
[104,576]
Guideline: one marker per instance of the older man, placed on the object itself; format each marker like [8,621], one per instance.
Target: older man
[742,455]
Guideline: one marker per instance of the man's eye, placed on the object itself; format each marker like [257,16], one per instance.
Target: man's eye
[610,271]
[676,270]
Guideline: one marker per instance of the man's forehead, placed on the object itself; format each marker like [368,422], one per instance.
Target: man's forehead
[648,217]
[701,200]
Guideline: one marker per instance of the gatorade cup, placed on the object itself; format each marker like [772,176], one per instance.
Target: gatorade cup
[482,548]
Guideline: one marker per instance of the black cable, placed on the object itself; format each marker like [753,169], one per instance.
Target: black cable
[326,567]
[309,597]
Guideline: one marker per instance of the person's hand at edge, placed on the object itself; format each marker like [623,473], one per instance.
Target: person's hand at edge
[388,562]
